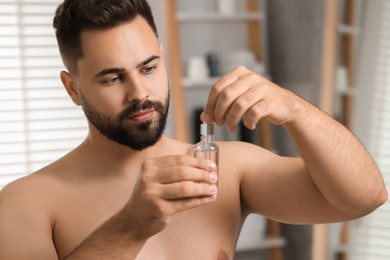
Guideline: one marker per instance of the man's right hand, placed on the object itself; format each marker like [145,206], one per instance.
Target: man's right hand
[166,186]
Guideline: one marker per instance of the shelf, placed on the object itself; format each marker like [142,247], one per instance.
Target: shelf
[265,243]
[206,83]
[348,91]
[199,83]
[348,29]
[215,17]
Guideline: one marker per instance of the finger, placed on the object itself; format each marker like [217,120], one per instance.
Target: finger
[221,84]
[255,114]
[241,106]
[226,98]
[187,189]
[181,160]
[186,204]
[206,118]
[176,168]
[185,173]
[229,94]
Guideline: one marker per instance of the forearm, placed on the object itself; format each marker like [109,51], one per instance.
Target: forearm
[337,162]
[114,239]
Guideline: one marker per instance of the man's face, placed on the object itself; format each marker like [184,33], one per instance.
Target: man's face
[135,136]
[122,84]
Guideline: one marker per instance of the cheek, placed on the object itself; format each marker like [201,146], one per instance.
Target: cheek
[159,84]
[105,101]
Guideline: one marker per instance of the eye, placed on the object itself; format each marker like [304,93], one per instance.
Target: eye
[149,69]
[112,80]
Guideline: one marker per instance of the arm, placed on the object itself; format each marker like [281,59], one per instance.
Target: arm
[337,162]
[336,180]
[114,238]
[25,225]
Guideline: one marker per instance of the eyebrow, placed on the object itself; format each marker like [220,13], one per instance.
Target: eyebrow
[109,71]
[148,60]
[121,70]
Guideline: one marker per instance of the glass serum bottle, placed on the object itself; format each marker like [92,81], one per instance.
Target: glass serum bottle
[206,148]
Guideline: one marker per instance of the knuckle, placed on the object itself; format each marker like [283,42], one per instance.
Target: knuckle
[179,160]
[146,177]
[226,95]
[241,68]
[149,194]
[217,88]
[161,211]
[181,172]
[240,104]
[160,208]
[253,76]
[256,110]
[184,188]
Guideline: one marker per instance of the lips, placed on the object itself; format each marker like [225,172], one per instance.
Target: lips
[142,116]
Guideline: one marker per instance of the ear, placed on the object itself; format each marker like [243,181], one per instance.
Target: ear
[161,48]
[71,87]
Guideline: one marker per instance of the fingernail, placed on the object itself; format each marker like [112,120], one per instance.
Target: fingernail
[213,188]
[209,118]
[213,198]
[211,165]
[213,177]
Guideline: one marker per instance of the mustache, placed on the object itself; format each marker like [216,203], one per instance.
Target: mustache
[137,106]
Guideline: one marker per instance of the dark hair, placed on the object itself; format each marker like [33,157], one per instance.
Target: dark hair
[72,17]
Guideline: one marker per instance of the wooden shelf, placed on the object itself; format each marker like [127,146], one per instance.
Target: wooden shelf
[215,17]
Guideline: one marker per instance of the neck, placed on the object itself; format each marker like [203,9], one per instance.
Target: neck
[108,154]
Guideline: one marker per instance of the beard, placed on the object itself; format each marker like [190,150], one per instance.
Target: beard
[135,136]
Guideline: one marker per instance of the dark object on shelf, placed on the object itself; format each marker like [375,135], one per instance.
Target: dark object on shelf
[213,64]
[246,135]
[196,121]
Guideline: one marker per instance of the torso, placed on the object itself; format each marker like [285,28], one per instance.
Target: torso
[208,232]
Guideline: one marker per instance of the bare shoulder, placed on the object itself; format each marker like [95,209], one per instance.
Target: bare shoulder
[27,196]
[29,190]
[26,219]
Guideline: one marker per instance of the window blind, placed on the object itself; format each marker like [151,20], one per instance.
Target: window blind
[370,236]
[38,121]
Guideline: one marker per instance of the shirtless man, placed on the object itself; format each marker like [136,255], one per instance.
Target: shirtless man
[128,192]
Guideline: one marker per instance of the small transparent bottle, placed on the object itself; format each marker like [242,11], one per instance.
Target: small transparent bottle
[206,148]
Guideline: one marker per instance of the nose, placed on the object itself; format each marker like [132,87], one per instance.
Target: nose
[136,91]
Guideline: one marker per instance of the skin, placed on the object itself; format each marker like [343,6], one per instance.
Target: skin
[106,201]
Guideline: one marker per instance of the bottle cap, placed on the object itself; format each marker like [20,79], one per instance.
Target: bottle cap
[206,129]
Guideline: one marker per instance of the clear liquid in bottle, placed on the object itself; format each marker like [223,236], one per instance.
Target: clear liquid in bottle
[206,148]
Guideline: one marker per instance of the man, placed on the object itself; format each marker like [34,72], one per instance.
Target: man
[127,192]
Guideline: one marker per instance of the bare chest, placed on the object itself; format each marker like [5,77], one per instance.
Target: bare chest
[197,239]
[207,232]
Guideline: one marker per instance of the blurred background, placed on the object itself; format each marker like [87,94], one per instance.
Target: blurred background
[335,54]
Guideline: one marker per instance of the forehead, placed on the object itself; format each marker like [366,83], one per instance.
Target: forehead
[125,43]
